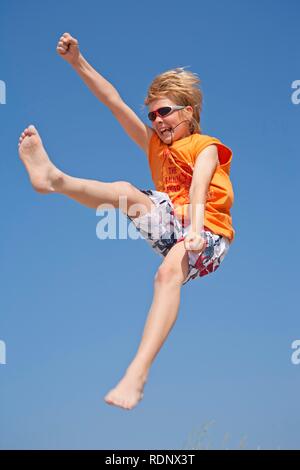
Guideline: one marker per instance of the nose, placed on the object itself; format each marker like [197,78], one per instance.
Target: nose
[159,118]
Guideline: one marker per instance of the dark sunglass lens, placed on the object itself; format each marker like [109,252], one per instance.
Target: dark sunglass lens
[164,111]
[151,116]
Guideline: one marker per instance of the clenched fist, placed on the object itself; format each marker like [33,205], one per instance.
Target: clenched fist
[194,242]
[68,48]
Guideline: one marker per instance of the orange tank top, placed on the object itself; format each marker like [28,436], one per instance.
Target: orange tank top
[172,170]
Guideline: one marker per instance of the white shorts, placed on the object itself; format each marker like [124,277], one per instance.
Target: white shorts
[162,230]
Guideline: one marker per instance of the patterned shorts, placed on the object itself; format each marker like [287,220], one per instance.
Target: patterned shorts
[162,230]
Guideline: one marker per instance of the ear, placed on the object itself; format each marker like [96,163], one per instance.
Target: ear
[189,109]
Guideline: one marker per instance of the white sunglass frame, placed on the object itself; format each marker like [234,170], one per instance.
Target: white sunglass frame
[173,108]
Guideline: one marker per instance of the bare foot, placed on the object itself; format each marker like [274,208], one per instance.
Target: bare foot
[128,392]
[43,174]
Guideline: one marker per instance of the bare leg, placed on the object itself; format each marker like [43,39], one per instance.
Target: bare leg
[160,320]
[47,178]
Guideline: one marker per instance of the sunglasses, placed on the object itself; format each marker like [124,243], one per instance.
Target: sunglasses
[164,111]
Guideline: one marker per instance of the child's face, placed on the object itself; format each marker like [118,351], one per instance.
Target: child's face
[171,120]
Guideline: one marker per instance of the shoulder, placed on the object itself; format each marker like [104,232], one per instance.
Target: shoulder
[202,141]
[205,139]
[150,133]
[152,138]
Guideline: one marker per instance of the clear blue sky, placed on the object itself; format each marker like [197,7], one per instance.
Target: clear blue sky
[73,307]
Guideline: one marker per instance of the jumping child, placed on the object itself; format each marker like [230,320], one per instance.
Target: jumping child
[186,219]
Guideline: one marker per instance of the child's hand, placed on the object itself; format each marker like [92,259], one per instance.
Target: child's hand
[194,242]
[68,48]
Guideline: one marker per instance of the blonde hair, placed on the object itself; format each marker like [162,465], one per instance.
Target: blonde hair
[182,87]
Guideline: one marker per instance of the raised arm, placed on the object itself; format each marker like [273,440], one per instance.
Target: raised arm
[140,133]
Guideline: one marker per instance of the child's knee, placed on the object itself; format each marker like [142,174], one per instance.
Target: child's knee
[168,273]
